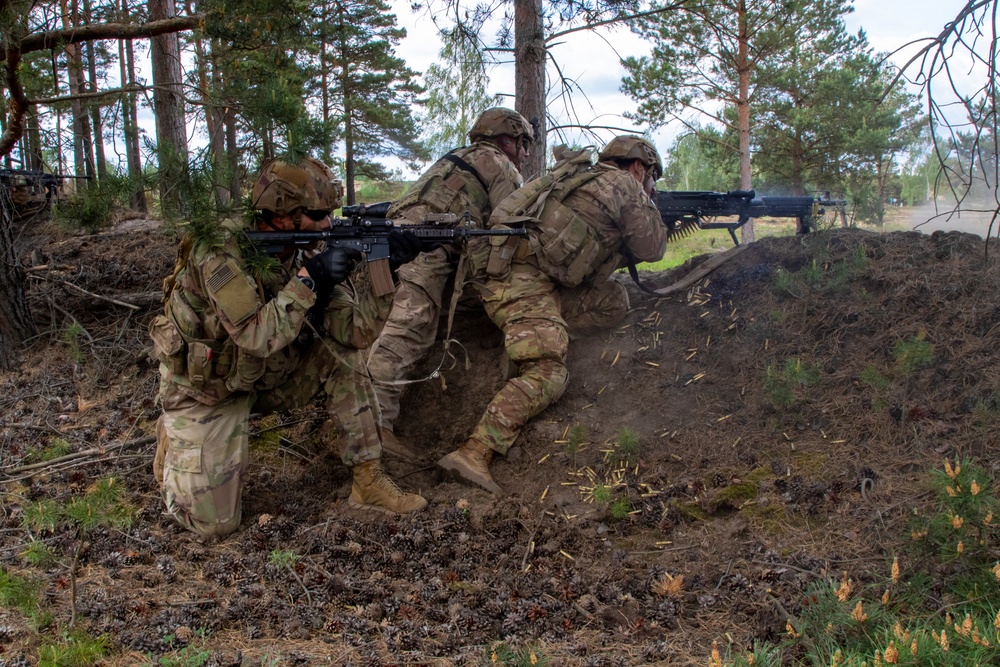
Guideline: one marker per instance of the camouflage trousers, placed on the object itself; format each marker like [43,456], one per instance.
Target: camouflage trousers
[204,448]
[412,326]
[537,317]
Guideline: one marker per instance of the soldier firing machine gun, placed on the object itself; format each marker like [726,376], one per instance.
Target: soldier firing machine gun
[684,212]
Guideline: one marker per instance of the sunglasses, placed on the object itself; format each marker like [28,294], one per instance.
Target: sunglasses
[315,216]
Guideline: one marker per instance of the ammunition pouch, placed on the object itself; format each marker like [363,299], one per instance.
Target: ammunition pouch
[567,248]
[168,344]
[507,249]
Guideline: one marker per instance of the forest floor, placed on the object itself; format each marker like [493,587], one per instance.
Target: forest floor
[714,456]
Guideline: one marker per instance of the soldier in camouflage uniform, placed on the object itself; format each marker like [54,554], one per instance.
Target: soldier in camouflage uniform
[474,178]
[584,221]
[235,338]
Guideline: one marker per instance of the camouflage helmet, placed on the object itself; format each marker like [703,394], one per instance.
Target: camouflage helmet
[283,187]
[499,121]
[627,147]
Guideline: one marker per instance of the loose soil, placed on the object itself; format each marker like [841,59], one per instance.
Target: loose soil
[714,455]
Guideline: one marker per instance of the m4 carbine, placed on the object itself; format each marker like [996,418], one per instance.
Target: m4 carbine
[684,212]
[367,229]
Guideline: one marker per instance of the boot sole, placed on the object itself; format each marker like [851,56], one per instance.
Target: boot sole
[458,473]
[354,504]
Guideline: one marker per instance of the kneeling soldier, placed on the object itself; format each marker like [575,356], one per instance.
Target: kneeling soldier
[242,332]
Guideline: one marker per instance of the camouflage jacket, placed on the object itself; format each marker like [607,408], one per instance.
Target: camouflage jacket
[448,187]
[225,331]
[583,226]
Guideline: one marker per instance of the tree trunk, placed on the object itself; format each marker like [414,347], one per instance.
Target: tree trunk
[743,110]
[232,154]
[95,107]
[213,118]
[168,102]
[74,77]
[126,63]
[15,319]
[348,156]
[33,140]
[529,78]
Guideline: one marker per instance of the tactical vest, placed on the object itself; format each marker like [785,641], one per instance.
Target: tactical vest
[207,369]
[562,243]
[450,185]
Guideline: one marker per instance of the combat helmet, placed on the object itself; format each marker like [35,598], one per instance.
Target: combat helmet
[283,187]
[498,121]
[628,147]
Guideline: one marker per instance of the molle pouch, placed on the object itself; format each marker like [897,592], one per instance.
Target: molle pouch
[168,344]
[568,246]
[503,248]
[199,363]
[247,369]
[440,194]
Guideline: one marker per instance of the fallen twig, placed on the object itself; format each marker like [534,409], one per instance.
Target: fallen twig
[93,451]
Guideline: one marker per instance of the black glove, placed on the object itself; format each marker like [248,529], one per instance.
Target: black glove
[331,267]
[403,247]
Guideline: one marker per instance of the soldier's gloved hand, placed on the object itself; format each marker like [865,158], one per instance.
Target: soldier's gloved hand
[331,267]
[403,247]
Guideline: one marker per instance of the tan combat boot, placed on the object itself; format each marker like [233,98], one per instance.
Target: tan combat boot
[375,490]
[470,463]
[396,448]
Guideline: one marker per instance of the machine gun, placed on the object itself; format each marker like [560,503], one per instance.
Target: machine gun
[684,212]
[367,229]
[32,190]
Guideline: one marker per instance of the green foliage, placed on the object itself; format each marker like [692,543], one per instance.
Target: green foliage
[628,445]
[371,191]
[376,89]
[781,384]
[700,161]
[189,656]
[968,525]
[283,558]
[821,275]
[71,339]
[101,505]
[457,87]
[576,437]
[41,515]
[92,206]
[913,353]
[507,655]
[38,554]
[619,508]
[74,649]
[601,494]
[899,618]
[56,448]
[19,593]
[874,379]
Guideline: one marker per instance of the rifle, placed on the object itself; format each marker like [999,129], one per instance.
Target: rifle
[684,212]
[34,177]
[367,229]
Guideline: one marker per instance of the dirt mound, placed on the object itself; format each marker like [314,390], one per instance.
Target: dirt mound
[714,455]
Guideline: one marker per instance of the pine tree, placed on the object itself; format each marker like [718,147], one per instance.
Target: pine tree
[375,90]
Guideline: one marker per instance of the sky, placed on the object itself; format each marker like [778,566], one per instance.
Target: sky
[593,59]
